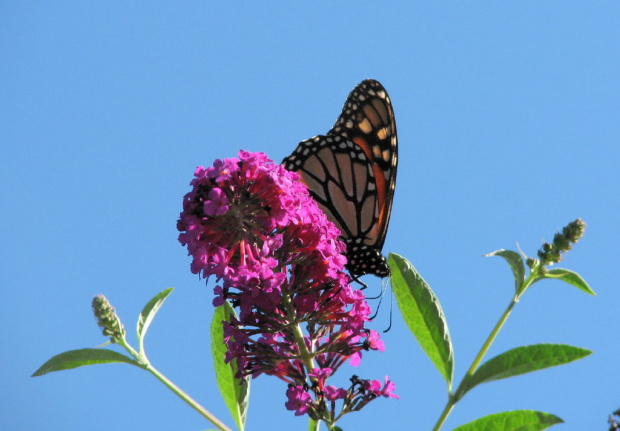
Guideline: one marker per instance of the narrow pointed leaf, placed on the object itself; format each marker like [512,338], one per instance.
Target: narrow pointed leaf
[523,360]
[570,277]
[515,261]
[516,420]
[422,314]
[148,314]
[79,358]
[236,392]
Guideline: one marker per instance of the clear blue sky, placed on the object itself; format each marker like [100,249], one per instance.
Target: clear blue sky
[508,123]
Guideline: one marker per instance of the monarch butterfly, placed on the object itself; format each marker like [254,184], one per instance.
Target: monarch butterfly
[351,173]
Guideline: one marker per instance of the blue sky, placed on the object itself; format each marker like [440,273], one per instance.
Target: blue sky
[507,117]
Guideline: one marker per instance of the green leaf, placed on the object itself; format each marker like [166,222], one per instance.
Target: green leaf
[148,314]
[515,261]
[570,277]
[523,360]
[79,358]
[236,392]
[516,420]
[422,314]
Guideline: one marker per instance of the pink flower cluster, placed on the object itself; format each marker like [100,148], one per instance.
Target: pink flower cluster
[276,257]
[360,393]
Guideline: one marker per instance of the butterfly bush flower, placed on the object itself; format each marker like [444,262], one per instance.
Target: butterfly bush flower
[253,226]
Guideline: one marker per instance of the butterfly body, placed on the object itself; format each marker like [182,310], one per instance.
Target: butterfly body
[351,173]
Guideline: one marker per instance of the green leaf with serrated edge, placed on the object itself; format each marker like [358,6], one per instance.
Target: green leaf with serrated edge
[148,314]
[516,420]
[515,261]
[569,277]
[236,392]
[79,358]
[523,360]
[422,314]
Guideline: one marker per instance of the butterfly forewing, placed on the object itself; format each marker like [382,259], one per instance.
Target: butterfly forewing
[351,173]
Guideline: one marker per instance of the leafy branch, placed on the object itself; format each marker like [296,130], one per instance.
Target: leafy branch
[425,318]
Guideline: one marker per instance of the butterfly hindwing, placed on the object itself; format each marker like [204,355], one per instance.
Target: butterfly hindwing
[351,173]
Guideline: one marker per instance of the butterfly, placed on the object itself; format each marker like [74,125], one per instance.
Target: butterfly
[351,173]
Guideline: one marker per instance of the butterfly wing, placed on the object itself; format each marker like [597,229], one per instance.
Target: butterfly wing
[351,173]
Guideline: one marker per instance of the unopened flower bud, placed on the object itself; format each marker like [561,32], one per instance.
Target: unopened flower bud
[107,319]
[574,230]
[562,242]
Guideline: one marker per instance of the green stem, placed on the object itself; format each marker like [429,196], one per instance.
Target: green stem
[144,362]
[314,425]
[444,414]
[189,400]
[487,343]
[456,395]
[298,334]
[305,355]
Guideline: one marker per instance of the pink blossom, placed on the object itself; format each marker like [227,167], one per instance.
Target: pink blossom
[374,343]
[332,393]
[388,389]
[217,203]
[298,400]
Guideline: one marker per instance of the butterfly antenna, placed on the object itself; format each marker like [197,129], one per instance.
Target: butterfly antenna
[380,297]
[361,283]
